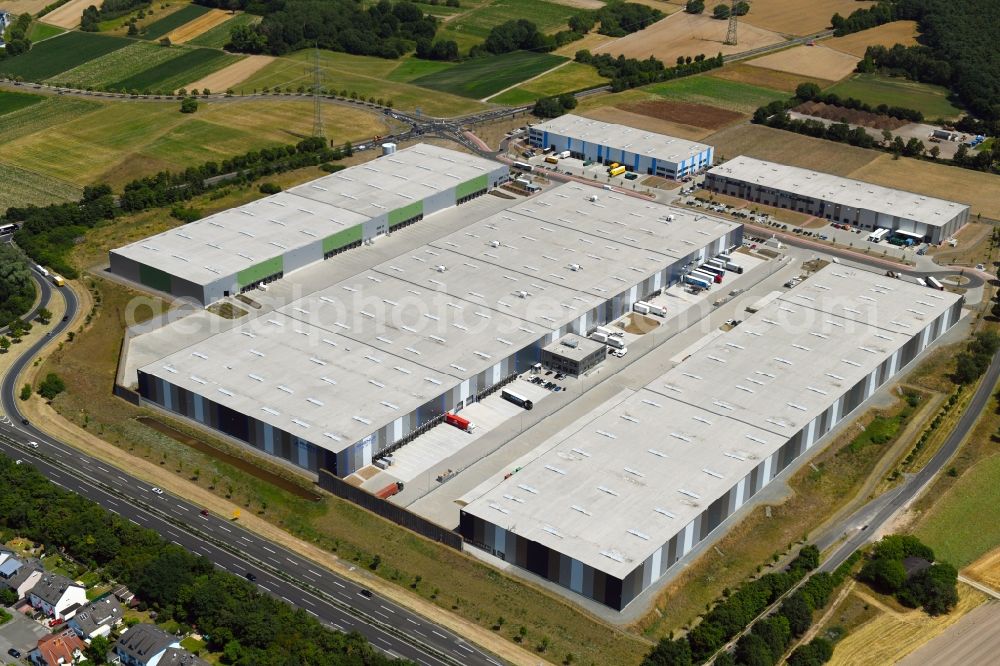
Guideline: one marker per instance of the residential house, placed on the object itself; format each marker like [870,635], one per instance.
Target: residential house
[56,595]
[55,649]
[6,19]
[179,657]
[144,645]
[97,618]
[20,575]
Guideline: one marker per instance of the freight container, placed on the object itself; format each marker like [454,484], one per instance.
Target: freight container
[459,422]
[516,398]
[641,308]
[390,490]
[655,309]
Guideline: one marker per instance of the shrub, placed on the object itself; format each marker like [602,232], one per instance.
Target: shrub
[189,105]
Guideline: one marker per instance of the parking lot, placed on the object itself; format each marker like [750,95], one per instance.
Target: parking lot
[22,634]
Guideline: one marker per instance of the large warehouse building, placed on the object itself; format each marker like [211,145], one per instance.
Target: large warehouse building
[640,151]
[612,502]
[236,250]
[350,372]
[843,200]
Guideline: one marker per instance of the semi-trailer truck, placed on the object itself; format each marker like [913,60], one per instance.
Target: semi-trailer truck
[707,275]
[616,343]
[641,308]
[58,280]
[516,398]
[735,268]
[690,278]
[390,490]
[459,422]
[657,310]
[933,283]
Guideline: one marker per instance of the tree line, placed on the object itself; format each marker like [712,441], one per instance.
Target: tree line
[930,585]
[628,73]
[17,289]
[251,628]
[109,9]
[49,233]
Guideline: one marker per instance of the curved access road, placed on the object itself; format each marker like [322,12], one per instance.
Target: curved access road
[337,602]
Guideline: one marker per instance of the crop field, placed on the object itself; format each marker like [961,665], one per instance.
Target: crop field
[684,34]
[218,36]
[766,143]
[413,68]
[172,21]
[962,525]
[483,77]
[621,115]
[118,65]
[976,188]
[798,17]
[889,34]
[931,100]
[68,15]
[739,97]
[570,77]
[56,55]
[686,113]
[115,142]
[202,24]
[194,64]
[232,76]
[39,117]
[472,26]
[19,187]
[366,76]
[21,6]
[14,101]
[39,31]
[765,78]
[814,61]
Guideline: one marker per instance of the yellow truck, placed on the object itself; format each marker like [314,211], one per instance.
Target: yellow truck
[617,171]
[552,159]
[58,281]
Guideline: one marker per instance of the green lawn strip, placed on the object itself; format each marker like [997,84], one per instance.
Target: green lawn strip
[15,101]
[218,36]
[57,55]
[171,22]
[178,72]
[740,97]
[931,100]
[483,77]
[20,187]
[40,117]
[117,65]
[414,68]
[962,524]
[516,97]
[40,31]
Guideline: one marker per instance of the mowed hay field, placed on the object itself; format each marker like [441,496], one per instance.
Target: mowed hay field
[975,188]
[199,26]
[766,143]
[796,17]
[116,142]
[892,635]
[874,89]
[814,61]
[233,75]
[67,16]
[897,32]
[684,34]
[986,569]
[765,78]
[19,187]
[739,97]
[366,76]
[14,101]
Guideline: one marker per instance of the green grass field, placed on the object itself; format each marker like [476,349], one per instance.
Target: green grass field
[218,36]
[19,187]
[39,31]
[53,56]
[14,101]
[724,94]
[962,524]
[177,72]
[568,78]
[171,22]
[483,77]
[932,101]
[39,117]
[366,76]
[472,26]
[130,61]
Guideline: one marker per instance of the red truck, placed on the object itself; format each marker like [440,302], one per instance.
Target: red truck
[389,490]
[459,422]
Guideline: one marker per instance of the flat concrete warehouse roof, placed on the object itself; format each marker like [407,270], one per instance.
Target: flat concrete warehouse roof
[610,491]
[336,365]
[622,137]
[239,238]
[838,190]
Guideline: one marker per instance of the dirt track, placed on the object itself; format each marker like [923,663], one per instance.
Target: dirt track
[232,76]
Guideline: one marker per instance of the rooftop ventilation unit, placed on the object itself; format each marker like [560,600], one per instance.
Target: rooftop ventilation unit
[572,344]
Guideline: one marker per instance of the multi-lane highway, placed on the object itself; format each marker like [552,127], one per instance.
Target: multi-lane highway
[337,602]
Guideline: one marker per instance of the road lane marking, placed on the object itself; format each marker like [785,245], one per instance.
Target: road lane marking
[466,647]
[306,599]
[263,587]
[291,560]
[439,634]
[269,550]
[339,584]
[223,527]
[290,602]
[315,573]
[381,613]
[313,614]
[411,620]
[386,608]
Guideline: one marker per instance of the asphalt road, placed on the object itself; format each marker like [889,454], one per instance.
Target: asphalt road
[337,602]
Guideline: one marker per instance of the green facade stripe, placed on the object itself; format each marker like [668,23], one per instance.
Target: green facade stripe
[406,213]
[342,238]
[154,278]
[475,185]
[260,271]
